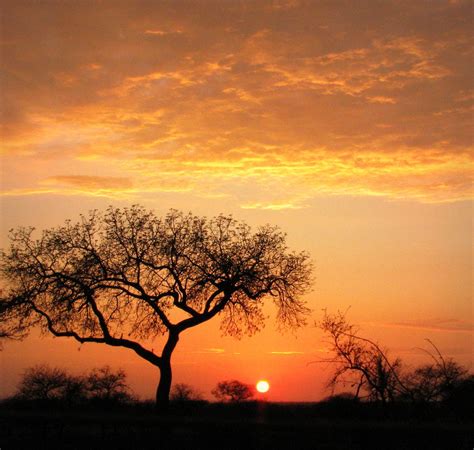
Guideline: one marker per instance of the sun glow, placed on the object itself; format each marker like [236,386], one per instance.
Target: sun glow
[263,386]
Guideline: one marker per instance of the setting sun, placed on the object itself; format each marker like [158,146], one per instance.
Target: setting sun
[263,386]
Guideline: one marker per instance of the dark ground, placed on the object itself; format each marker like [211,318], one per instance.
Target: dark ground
[228,427]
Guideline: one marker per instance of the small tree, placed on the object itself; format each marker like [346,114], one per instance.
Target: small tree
[106,385]
[233,391]
[115,278]
[360,362]
[43,383]
[436,381]
[182,392]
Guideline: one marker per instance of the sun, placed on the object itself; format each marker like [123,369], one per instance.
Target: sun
[263,386]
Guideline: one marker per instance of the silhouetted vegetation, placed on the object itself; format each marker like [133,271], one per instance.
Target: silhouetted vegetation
[45,385]
[367,368]
[436,381]
[233,391]
[339,422]
[360,362]
[182,392]
[103,384]
[115,277]
[13,323]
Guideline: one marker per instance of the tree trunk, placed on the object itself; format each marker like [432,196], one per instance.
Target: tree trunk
[166,376]
[164,387]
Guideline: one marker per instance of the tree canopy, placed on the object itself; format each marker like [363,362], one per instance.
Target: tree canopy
[233,391]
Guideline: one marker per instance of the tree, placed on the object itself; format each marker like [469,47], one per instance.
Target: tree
[43,383]
[360,362]
[106,385]
[364,365]
[117,278]
[436,381]
[233,391]
[182,392]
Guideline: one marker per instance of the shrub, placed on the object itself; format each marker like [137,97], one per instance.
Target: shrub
[233,391]
[182,392]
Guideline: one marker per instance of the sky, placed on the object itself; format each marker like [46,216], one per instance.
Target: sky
[347,124]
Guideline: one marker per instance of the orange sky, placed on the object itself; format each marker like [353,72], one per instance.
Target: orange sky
[348,124]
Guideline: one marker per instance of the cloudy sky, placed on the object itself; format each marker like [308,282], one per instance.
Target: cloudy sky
[347,123]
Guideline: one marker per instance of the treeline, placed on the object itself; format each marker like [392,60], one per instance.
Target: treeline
[364,374]
[104,389]
[46,385]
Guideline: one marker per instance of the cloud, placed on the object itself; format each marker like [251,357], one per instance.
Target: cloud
[268,111]
[286,353]
[271,206]
[436,324]
[97,186]
[381,99]
[89,182]
[217,351]
[162,32]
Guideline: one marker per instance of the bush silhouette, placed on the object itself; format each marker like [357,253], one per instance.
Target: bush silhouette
[45,384]
[233,391]
[182,392]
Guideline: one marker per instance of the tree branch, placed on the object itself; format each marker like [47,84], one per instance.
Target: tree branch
[115,342]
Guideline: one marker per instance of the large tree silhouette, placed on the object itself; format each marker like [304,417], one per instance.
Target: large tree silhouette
[116,277]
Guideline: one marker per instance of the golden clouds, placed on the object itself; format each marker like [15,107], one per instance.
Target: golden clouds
[90,182]
[449,325]
[266,106]
[162,32]
[381,99]
[97,186]
[286,353]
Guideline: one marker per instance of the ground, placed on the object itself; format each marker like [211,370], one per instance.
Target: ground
[227,427]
